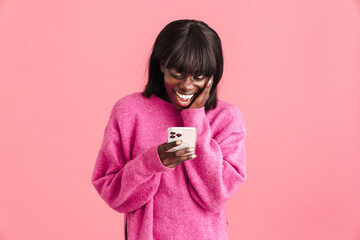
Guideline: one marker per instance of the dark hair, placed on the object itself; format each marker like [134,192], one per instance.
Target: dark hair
[191,47]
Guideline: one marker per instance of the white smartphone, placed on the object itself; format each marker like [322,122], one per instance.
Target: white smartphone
[186,134]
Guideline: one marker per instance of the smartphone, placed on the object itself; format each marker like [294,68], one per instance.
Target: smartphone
[186,134]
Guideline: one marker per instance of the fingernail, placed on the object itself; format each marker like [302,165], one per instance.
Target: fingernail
[178,142]
[191,149]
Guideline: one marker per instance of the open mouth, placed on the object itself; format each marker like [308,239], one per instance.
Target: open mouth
[184,100]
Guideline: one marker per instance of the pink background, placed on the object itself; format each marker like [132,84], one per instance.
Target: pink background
[293,67]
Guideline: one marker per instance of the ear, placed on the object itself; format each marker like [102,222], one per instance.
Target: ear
[162,65]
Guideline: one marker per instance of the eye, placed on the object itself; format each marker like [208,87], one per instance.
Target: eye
[177,76]
[199,78]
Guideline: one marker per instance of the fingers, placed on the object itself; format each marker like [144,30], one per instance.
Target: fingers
[210,81]
[166,146]
[173,162]
[184,151]
[177,154]
[172,159]
[205,93]
[209,84]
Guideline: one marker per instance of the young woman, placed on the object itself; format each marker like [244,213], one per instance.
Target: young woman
[180,194]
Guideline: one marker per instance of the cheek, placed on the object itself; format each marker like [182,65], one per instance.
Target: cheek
[166,82]
[169,82]
[201,85]
[169,85]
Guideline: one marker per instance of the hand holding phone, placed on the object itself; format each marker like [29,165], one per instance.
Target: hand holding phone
[179,148]
[186,134]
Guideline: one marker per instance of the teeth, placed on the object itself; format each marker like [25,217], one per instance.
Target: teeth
[184,96]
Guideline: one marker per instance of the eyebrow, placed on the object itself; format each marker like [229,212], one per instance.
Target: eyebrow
[174,69]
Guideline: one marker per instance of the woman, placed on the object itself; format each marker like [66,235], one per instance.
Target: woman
[181,194]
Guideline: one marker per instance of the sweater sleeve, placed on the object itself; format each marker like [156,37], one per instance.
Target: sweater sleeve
[220,166]
[125,185]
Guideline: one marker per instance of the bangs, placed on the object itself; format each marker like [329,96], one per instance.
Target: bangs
[193,54]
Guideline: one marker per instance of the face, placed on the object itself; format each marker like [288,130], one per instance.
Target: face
[182,89]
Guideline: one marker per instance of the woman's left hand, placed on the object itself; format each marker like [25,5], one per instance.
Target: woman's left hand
[200,100]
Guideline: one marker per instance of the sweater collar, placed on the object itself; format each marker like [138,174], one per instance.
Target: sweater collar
[164,104]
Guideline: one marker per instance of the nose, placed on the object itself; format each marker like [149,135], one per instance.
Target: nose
[187,84]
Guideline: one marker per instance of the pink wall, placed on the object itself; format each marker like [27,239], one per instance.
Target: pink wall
[293,67]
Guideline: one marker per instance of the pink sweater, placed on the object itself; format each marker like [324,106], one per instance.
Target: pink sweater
[185,202]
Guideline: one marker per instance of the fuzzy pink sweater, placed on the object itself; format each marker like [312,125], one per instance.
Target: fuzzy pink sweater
[185,202]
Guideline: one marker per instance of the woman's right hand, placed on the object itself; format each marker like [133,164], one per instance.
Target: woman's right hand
[172,159]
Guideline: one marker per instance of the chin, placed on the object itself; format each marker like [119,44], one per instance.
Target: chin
[181,101]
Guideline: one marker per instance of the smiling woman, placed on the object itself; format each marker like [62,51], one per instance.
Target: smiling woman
[167,193]
[182,89]
[185,50]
